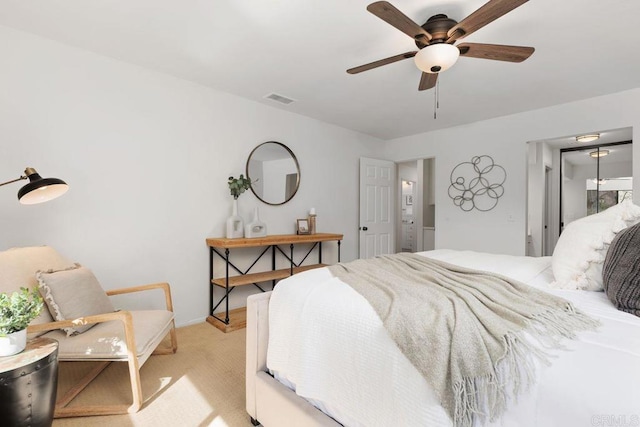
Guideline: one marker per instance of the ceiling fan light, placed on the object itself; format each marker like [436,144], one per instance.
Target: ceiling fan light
[436,58]
[587,138]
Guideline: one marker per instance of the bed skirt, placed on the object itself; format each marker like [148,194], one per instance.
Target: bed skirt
[268,402]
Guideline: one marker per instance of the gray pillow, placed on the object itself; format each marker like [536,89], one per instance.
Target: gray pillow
[73,293]
[621,271]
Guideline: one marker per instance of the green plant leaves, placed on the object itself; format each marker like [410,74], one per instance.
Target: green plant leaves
[18,310]
[239,185]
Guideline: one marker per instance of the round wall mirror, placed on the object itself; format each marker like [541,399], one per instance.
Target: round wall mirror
[274,172]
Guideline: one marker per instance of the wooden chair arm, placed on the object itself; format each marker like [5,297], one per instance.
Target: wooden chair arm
[164,286]
[123,316]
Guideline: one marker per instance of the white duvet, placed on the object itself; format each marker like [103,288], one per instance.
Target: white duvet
[327,344]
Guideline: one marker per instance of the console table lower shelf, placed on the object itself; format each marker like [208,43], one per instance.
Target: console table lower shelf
[230,320]
[237,320]
[238,317]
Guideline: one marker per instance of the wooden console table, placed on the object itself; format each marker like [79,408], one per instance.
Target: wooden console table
[230,320]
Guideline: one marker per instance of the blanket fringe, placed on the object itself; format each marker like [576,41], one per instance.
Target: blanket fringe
[485,397]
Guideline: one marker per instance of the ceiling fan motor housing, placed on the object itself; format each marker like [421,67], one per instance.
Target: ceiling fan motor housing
[436,55]
[438,26]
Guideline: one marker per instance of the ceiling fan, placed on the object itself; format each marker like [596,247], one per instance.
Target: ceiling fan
[436,37]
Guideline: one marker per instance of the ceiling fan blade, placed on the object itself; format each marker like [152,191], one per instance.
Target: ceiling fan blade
[427,81]
[388,13]
[381,62]
[497,52]
[491,11]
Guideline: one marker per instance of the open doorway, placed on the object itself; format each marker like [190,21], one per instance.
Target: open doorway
[416,210]
[408,238]
[547,238]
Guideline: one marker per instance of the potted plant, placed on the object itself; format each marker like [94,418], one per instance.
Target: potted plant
[16,312]
[235,224]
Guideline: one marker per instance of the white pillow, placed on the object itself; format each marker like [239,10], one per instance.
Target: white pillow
[579,254]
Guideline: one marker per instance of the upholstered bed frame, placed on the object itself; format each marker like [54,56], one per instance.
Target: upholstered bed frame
[269,402]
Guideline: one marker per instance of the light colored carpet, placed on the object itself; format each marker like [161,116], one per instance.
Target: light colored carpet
[201,385]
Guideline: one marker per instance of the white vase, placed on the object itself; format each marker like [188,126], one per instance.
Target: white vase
[255,228]
[235,225]
[13,343]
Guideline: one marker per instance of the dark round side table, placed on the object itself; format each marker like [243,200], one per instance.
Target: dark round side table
[28,383]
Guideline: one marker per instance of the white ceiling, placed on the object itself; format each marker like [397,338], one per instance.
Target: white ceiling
[301,49]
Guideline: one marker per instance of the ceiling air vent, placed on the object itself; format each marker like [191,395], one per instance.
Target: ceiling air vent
[279,98]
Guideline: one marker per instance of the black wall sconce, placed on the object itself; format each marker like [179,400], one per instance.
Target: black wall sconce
[39,189]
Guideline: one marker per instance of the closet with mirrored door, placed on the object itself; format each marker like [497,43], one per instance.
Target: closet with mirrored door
[594,178]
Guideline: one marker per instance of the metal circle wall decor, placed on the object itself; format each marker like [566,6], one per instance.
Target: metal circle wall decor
[477,184]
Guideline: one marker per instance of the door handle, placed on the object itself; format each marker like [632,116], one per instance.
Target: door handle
[363,228]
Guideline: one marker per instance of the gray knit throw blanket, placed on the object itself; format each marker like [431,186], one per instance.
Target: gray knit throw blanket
[473,335]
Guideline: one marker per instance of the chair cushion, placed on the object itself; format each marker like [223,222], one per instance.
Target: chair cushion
[621,271]
[106,341]
[73,293]
[18,268]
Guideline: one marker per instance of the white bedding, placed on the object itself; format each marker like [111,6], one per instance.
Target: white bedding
[327,344]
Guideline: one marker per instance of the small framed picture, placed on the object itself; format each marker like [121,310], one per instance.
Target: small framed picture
[409,200]
[303,226]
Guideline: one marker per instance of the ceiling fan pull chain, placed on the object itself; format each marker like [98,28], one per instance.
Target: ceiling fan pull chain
[436,100]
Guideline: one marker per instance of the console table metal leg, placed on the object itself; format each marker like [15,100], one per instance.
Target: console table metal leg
[339,250]
[210,281]
[273,264]
[226,258]
[291,248]
[319,252]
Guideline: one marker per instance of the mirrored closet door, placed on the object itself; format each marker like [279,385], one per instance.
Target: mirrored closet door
[594,178]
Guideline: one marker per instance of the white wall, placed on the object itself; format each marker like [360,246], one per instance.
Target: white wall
[503,229]
[147,157]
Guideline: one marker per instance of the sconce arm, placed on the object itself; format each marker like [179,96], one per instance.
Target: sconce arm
[13,180]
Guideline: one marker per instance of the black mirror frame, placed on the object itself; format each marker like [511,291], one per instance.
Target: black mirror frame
[295,159]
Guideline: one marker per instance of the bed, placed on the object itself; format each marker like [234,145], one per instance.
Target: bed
[318,355]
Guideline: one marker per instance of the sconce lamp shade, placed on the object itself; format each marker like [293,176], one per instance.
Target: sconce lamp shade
[437,57]
[39,189]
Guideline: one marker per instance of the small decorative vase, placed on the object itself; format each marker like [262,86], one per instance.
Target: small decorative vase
[13,343]
[255,228]
[235,225]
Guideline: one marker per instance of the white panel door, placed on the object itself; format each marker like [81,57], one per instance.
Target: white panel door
[377,178]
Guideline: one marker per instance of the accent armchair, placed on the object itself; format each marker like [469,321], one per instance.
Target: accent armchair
[118,336]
